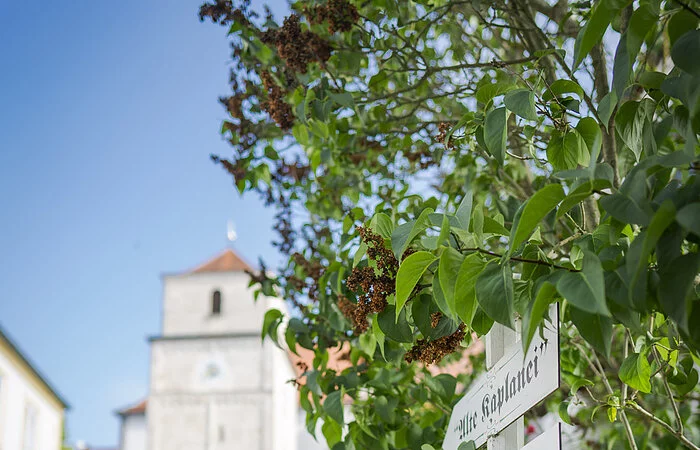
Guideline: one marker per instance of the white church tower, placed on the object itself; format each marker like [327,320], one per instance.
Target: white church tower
[213,384]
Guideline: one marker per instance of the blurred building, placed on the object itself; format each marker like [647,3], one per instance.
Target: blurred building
[213,383]
[31,412]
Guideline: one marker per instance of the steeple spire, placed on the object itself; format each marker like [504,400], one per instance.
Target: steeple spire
[231,233]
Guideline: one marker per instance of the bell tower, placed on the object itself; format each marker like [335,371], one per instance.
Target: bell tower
[213,384]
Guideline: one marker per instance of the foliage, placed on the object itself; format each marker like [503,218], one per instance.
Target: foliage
[441,165]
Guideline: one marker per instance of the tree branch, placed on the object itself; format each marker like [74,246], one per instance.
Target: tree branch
[600,81]
[623,415]
[668,427]
[515,258]
[687,7]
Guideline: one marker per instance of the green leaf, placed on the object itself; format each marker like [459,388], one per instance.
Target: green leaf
[422,309]
[382,225]
[624,209]
[396,329]
[522,103]
[343,99]
[685,52]
[450,262]
[272,320]
[495,128]
[494,292]
[333,406]
[437,219]
[635,372]
[689,218]
[535,209]
[680,23]
[676,288]
[359,254]
[464,211]
[585,289]
[579,194]
[492,226]
[290,340]
[410,272]
[594,328]
[444,232]
[622,67]
[477,223]
[579,383]
[592,33]
[405,233]
[312,382]
[559,87]
[481,323]
[379,334]
[488,91]
[606,107]
[563,150]
[332,431]
[469,445]
[689,385]
[465,285]
[650,80]
[589,130]
[629,204]
[630,120]
[686,88]
[564,413]
[439,296]
[399,237]
[536,312]
[642,21]
[637,258]
[448,383]
[385,408]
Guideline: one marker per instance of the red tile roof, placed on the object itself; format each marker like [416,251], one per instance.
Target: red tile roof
[139,408]
[338,360]
[227,261]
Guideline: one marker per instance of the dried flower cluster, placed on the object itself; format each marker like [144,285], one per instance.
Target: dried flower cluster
[421,157]
[431,352]
[295,171]
[223,13]
[443,130]
[339,14]
[313,270]
[234,106]
[275,105]
[296,47]
[435,319]
[349,310]
[373,285]
[235,170]
[219,12]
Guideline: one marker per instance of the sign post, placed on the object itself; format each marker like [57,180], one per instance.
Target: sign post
[498,340]
[492,409]
[549,440]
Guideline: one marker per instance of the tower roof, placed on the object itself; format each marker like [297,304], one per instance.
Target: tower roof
[138,408]
[226,261]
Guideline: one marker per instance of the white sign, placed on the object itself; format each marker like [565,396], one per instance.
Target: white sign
[511,387]
[549,440]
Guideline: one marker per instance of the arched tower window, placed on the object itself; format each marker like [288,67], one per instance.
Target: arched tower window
[216,303]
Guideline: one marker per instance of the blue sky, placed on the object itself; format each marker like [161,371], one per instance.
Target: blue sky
[109,113]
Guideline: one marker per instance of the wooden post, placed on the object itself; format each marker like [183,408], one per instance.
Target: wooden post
[497,341]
